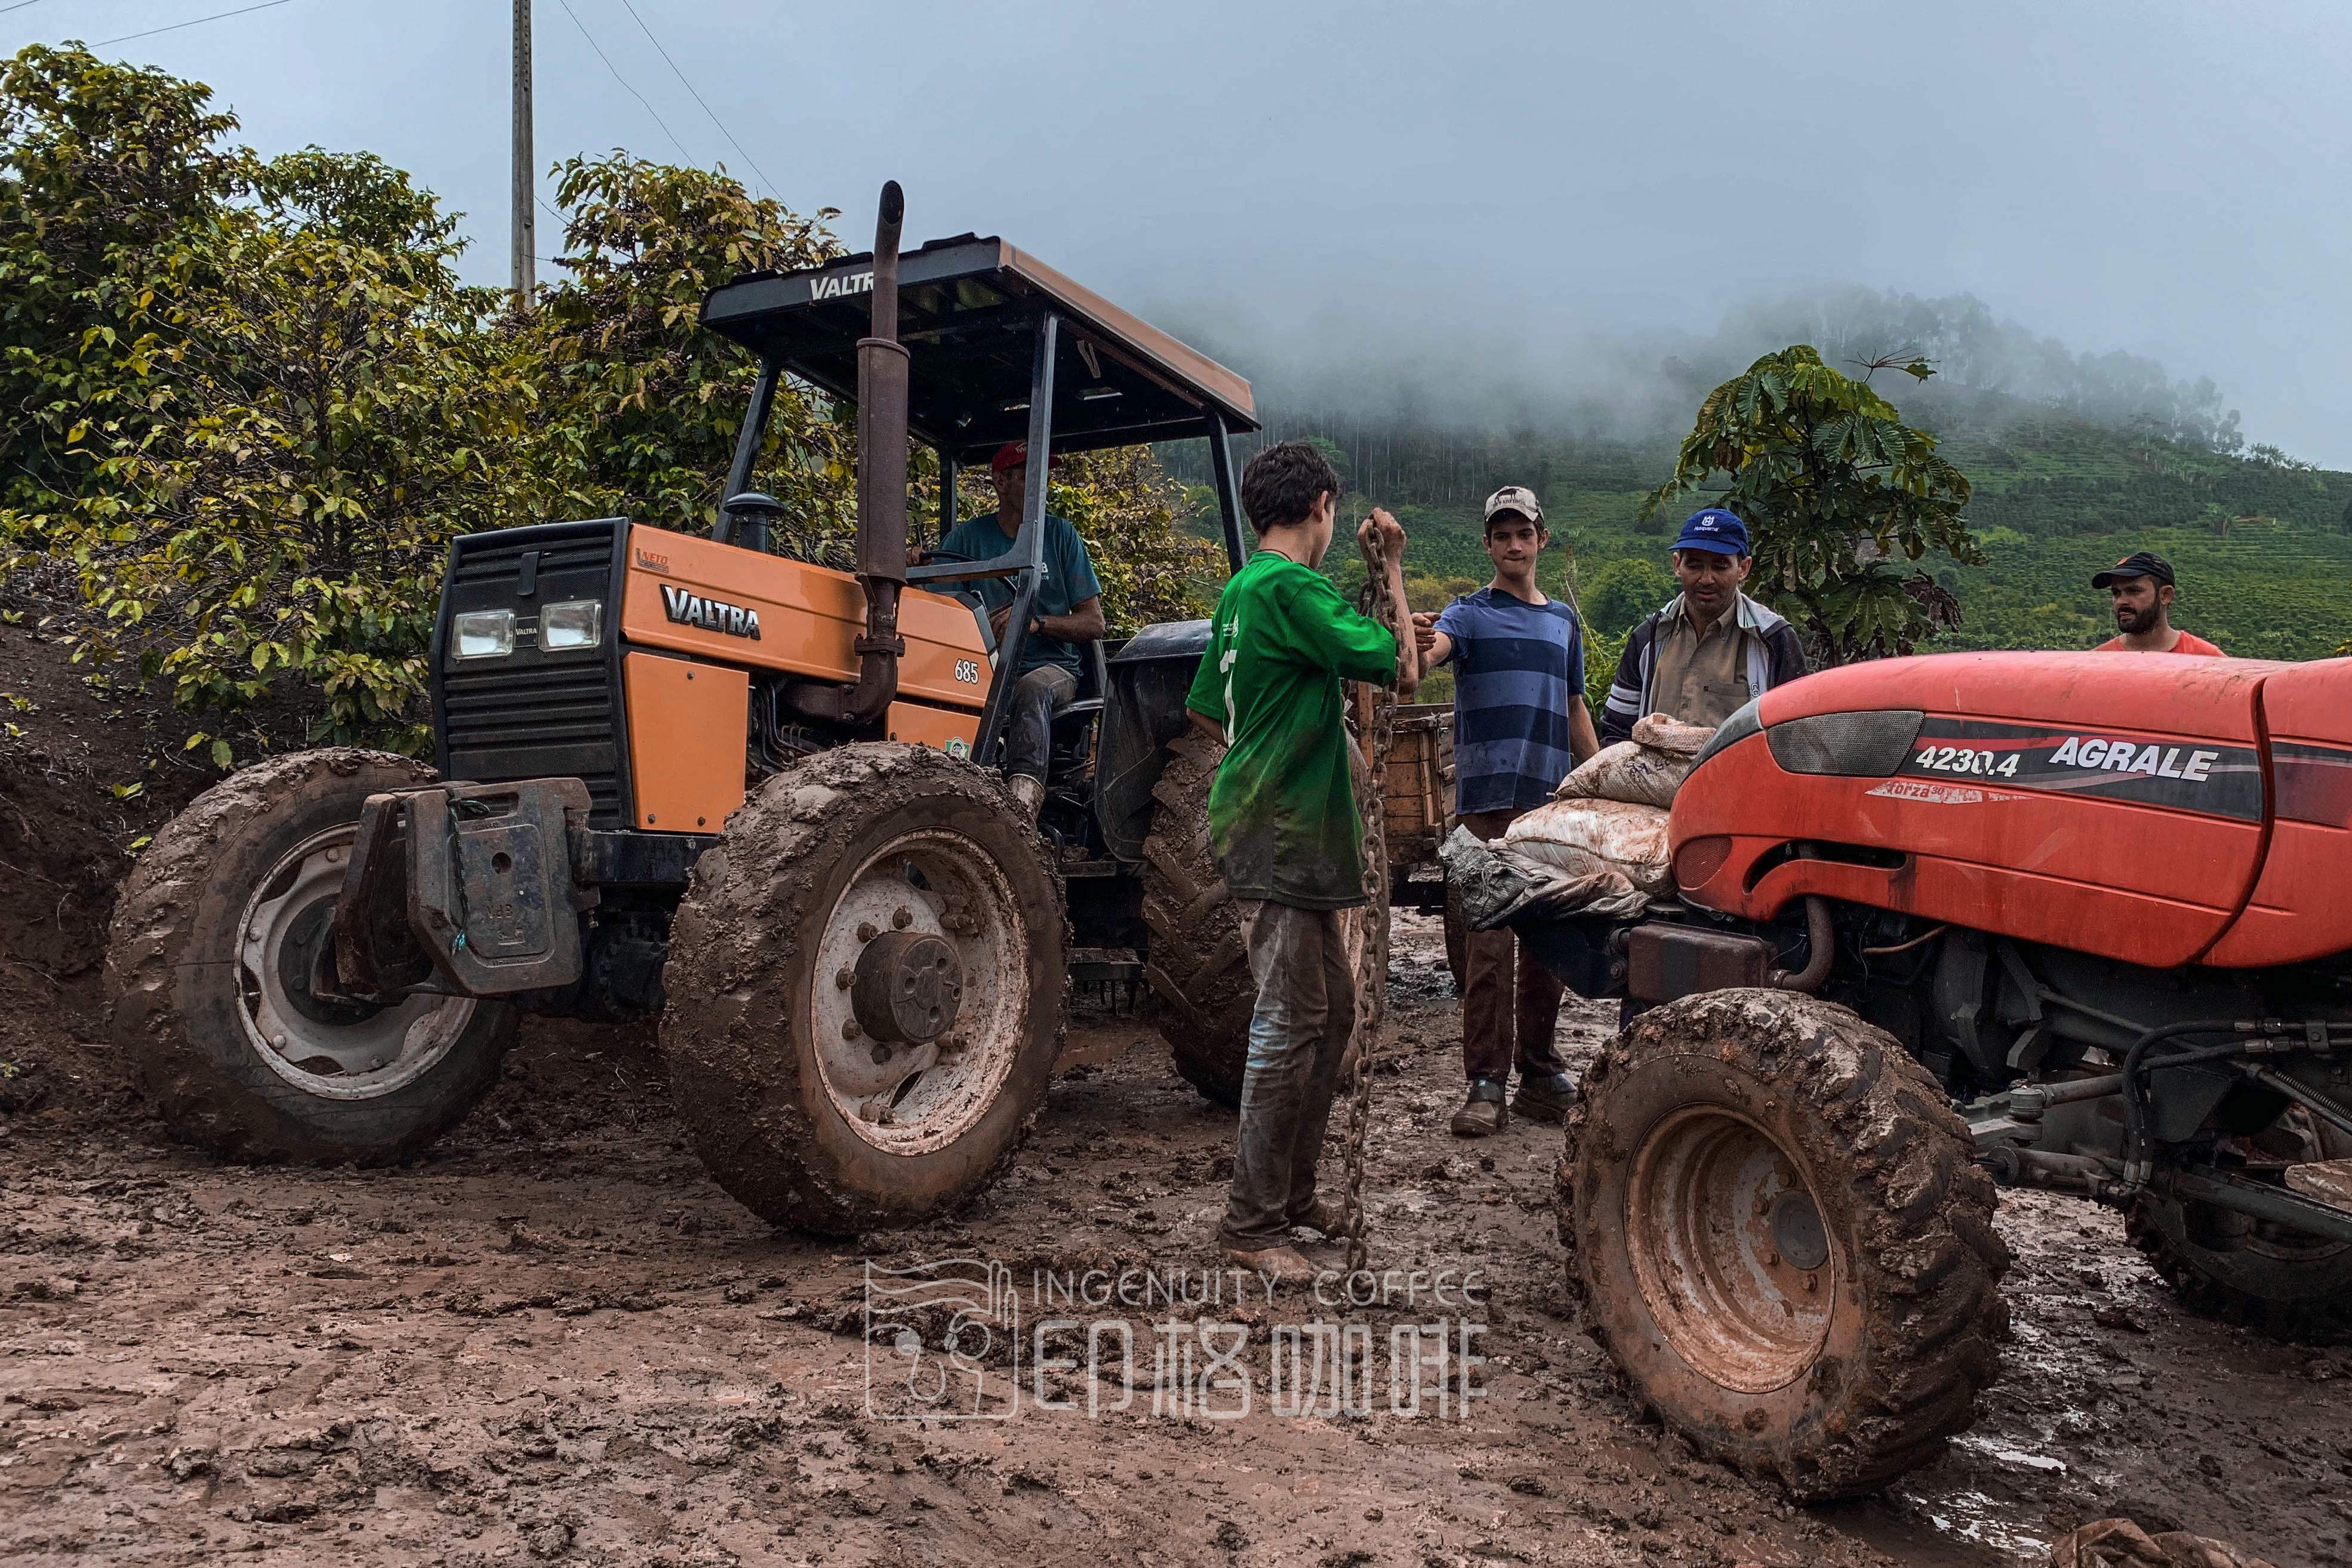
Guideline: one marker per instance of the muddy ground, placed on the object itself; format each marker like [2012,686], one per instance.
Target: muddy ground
[553,1339]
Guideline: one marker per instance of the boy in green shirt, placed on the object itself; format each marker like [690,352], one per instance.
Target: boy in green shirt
[1282,815]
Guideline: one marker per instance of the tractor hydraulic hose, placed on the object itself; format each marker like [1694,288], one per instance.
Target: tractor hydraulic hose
[881,476]
[2138,1165]
[1821,950]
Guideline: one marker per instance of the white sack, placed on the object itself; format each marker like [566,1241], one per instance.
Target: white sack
[1662,734]
[1645,770]
[1626,771]
[1584,836]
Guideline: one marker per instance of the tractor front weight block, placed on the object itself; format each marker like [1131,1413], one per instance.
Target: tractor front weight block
[469,885]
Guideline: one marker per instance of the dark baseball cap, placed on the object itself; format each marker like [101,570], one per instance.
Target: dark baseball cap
[2139,563]
[1713,529]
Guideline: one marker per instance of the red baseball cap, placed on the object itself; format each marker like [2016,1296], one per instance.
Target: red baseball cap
[1015,455]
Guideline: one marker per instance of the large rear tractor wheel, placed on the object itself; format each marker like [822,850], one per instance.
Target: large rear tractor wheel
[218,942]
[1776,1227]
[1200,959]
[865,986]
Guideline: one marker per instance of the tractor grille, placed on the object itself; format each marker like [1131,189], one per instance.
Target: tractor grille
[536,724]
[530,713]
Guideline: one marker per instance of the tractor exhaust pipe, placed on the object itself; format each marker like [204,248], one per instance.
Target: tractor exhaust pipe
[1820,947]
[881,478]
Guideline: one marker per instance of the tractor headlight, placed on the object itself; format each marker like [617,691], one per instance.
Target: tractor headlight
[484,634]
[1865,744]
[577,623]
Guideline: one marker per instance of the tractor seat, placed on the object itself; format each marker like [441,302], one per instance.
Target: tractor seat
[1094,680]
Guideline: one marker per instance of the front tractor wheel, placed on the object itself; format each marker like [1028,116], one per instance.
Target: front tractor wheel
[1776,1227]
[865,986]
[219,946]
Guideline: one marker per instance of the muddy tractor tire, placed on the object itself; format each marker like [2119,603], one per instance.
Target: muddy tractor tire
[864,991]
[2284,1283]
[216,944]
[1199,964]
[1776,1228]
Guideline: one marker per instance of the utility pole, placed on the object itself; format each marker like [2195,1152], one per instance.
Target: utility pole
[525,187]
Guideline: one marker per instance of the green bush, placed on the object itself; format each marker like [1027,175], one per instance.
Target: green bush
[1620,593]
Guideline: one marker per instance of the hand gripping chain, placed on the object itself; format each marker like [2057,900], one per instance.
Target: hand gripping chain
[1373,960]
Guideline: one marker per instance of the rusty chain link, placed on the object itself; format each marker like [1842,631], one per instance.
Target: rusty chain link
[1373,960]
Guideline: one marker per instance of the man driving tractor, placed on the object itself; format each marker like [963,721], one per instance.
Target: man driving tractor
[1068,615]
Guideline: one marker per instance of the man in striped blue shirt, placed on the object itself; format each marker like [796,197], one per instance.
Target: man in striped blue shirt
[1519,726]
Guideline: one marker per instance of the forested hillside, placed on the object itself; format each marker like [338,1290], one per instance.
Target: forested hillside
[2262,543]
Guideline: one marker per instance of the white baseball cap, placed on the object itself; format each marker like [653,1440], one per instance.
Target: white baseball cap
[1515,498]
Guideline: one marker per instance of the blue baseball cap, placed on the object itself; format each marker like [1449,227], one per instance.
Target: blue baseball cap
[1713,529]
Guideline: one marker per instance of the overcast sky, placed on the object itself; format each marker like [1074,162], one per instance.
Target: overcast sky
[2163,178]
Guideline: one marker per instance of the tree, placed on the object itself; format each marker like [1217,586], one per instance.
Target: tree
[332,411]
[1622,592]
[251,403]
[1835,487]
[104,171]
[1130,515]
[641,406]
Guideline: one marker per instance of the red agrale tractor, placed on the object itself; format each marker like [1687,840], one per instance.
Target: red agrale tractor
[2074,921]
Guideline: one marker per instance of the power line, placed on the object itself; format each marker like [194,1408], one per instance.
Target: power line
[19,6]
[215,16]
[680,75]
[619,78]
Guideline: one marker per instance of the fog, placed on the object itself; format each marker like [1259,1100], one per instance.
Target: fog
[1444,208]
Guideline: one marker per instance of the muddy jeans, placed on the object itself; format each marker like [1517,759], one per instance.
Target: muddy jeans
[1029,728]
[1507,1018]
[1305,1011]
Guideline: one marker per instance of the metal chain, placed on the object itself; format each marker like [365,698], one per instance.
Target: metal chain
[1372,962]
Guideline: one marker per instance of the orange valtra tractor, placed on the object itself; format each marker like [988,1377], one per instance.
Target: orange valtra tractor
[2080,922]
[758,797]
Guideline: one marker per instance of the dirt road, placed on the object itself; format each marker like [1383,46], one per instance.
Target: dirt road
[554,1339]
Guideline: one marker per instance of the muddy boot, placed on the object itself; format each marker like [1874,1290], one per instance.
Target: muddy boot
[1545,1097]
[1483,1112]
[1030,792]
[1283,1265]
[1328,1218]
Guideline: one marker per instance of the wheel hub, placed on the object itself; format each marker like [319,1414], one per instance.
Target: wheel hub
[1797,1233]
[304,958]
[921,997]
[907,987]
[336,1050]
[1730,1249]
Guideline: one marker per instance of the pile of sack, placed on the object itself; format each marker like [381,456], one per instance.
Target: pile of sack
[1608,816]
[1599,849]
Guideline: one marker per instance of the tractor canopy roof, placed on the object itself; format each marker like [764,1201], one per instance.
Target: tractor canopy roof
[969,310]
